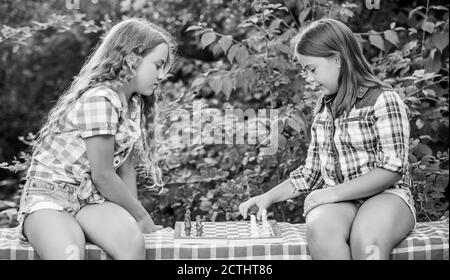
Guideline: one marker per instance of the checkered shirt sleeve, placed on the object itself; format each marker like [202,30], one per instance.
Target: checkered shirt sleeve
[392,127]
[308,176]
[97,115]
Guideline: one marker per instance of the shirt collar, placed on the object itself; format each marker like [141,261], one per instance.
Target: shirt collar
[361,93]
[135,98]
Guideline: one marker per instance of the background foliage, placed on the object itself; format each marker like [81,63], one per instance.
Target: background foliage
[232,54]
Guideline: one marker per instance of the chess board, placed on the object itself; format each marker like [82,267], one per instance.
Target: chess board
[235,232]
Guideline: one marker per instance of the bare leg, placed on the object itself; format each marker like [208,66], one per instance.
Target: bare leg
[114,229]
[380,224]
[328,230]
[55,235]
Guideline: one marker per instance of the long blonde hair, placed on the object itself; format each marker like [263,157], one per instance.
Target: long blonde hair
[113,63]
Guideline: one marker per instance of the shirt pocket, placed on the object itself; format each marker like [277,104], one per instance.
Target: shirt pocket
[356,133]
[322,133]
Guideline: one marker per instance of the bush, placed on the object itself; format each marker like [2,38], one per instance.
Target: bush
[237,55]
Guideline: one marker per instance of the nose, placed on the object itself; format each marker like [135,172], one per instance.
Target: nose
[160,76]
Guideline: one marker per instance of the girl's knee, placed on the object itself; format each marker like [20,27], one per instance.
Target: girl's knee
[369,245]
[322,233]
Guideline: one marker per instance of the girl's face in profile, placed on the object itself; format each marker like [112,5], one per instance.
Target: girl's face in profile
[322,70]
[151,70]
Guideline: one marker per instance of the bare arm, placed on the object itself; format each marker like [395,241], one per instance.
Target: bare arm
[100,151]
[128,175]
[366,185]
[373,182]
[282,192]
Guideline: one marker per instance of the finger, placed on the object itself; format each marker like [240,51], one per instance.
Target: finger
[259,214]
[243,208]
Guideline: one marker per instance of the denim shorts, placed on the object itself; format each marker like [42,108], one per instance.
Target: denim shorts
[403,192]
[39,194]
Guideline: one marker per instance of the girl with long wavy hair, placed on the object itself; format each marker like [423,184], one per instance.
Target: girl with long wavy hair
[81,184]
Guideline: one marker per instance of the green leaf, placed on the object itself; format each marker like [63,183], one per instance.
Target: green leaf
[392,37]
[232,52]
[198,82]
[193,28]
[225,43]
[415,10]
[440,40]
[215,83]
[216,50]
[303,15]
[296,124]
[207,39]
[283,48]
[428,26]
[242,55]
[275,24]
[439,8]
[227,87]
[376,40]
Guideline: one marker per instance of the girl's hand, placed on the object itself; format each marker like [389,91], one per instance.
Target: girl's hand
[262,201]
[319,197]
[146,225]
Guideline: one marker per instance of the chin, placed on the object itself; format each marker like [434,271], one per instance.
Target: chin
[147,92]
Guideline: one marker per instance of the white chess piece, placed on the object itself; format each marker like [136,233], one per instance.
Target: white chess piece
[253,226]
[265,222]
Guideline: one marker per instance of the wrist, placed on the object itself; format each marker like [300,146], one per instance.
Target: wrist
[335,194]
[268,197]
[142,216]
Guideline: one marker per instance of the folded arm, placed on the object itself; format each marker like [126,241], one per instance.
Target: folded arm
[100,150]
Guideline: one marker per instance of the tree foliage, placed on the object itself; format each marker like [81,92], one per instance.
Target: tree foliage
[233,54]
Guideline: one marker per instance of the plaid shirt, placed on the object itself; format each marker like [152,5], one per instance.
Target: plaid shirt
[375,133]
[99,111]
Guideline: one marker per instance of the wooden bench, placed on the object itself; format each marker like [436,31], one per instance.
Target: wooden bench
[427,241]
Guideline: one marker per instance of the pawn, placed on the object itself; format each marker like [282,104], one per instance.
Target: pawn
[198,225]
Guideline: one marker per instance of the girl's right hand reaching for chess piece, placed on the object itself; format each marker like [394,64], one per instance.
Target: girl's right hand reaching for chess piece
[146,224]
[262,201]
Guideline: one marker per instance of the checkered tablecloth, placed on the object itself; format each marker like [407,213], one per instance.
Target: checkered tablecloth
[426,241]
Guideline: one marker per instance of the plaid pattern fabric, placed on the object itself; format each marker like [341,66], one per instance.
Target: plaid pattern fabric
[375,133]
[100,110]
[427,241]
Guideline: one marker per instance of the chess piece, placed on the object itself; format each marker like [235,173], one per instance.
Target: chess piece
[198,225]
[253,226]
[265,222]
[187,222]
[200,228]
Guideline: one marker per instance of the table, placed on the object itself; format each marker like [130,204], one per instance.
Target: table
[427,241]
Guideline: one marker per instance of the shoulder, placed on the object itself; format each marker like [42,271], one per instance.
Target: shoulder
[101,94]
[378,96]
[389,98]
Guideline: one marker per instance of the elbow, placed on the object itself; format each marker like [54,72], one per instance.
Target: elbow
[392,176]
[101,178]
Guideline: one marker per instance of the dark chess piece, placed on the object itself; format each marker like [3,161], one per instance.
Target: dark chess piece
[200,229]
[199,225]
[187,223]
